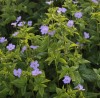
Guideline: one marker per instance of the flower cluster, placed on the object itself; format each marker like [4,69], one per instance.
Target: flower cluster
[35,72]
[67,80]
[20,23]
[25,48]
[35,65]
[45,30]
[63,10]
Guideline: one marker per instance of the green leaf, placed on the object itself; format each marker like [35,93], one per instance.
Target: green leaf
[63,72]
[32,5]
[52,87]
[88,74]
[78,78]
[73,45]
[4,92]
[58,90]
[49,60]
[92,95]
[41,91]
[30,29]
[23,90]
[62,60]
[20,82]
[45,80]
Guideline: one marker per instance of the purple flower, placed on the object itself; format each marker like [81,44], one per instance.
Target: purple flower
[2,39]
[63,10]
[51,33]
[79,87]
[70,23]
[86,35]
[29,23]
[66,79]
[78,14]
[20,24]
[59,10]
[95,1]
[17,72]
[10,47]
[15,34]
[44,29]
[34,64]
[49,2]
[24,48]
[34,47]
[36,72]
[18,19]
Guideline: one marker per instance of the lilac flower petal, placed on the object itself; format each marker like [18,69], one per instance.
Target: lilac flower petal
[10,47]
[34,47]
[78,14]
[24,48]
[79,86]
[34,64]
[16,33]
[95,1]
[18,18]
[20,24]
[44,29]
[36,72]
[29,23]
[86,35]
[66,79]
[17,72]
[64,10]
[2,39]
[70,23]
[59,10]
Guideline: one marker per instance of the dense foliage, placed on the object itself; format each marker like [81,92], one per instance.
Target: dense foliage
[49,49]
